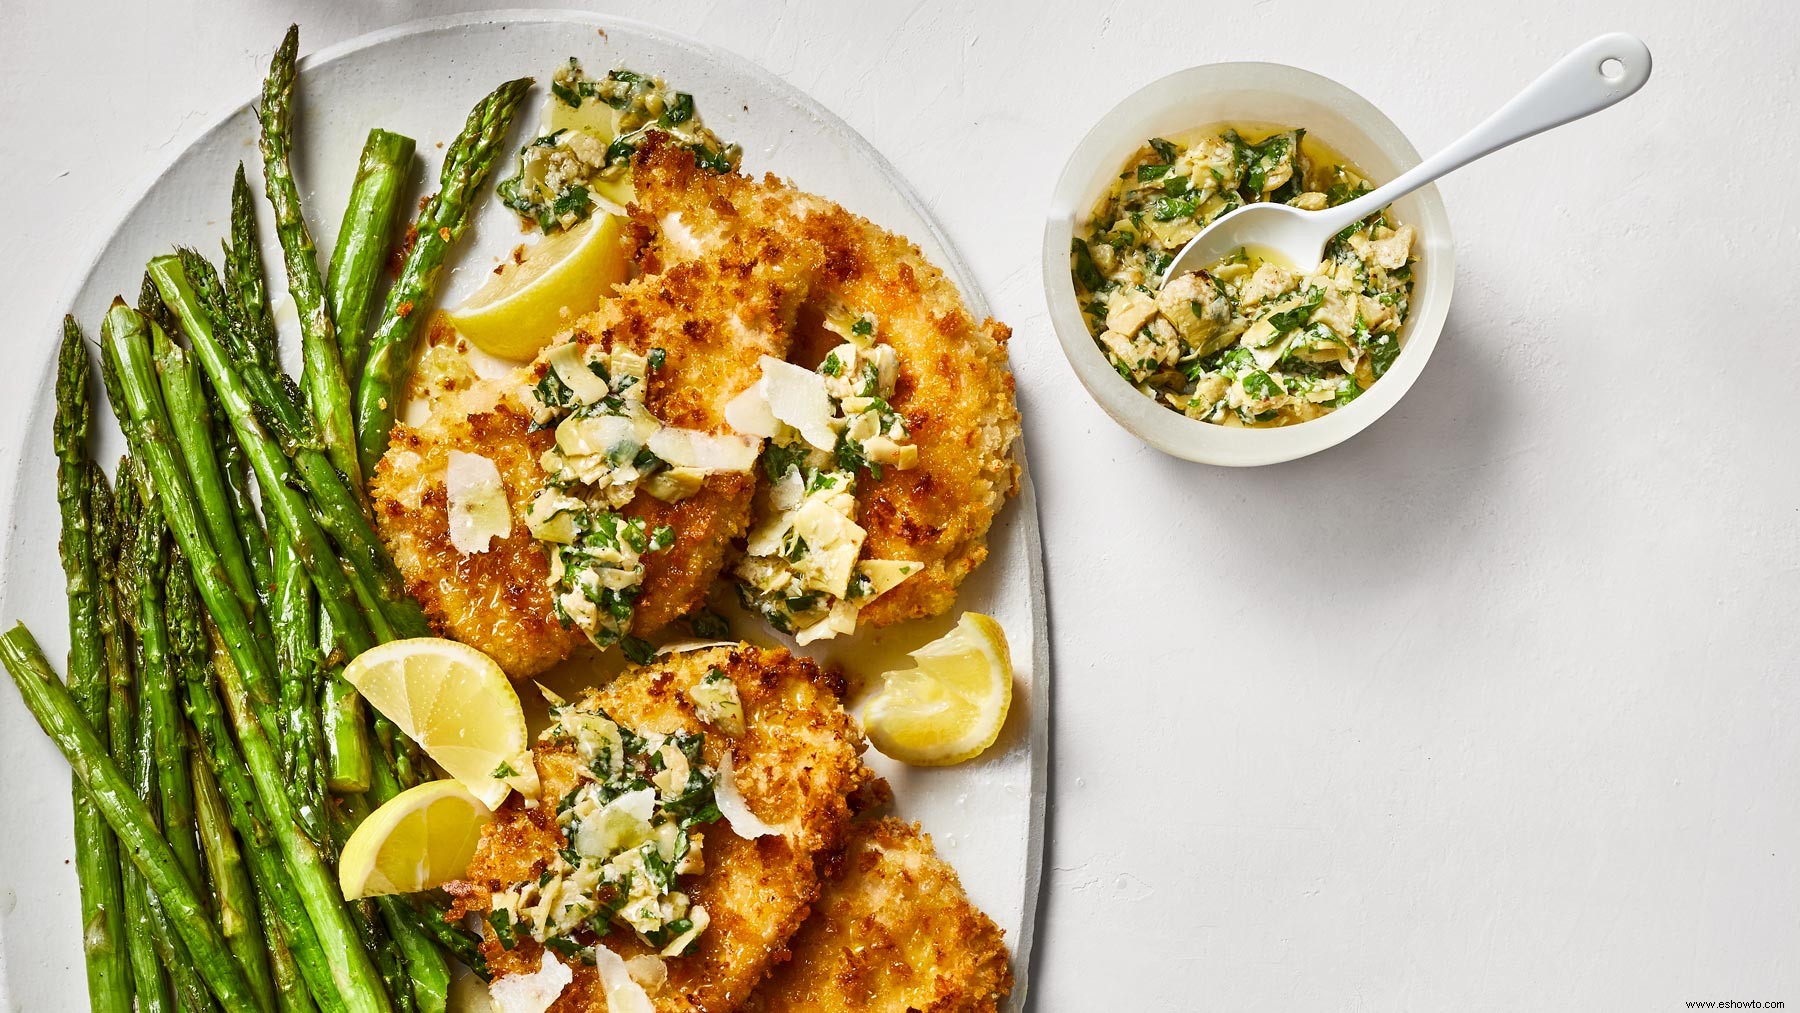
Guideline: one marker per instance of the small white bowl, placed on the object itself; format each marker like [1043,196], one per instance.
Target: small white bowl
[1254,93]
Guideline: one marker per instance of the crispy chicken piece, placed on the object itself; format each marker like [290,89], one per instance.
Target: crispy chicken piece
[956,394]
[498,600]
[797,764]
[892,933]
[714,317]
[954,390]
[727,264]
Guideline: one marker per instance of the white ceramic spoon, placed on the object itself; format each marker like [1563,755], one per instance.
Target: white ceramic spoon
[1594,76]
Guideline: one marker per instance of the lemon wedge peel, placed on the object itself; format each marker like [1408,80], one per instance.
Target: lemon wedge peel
[458,705]
[516,313]
[421,838]
[951,706]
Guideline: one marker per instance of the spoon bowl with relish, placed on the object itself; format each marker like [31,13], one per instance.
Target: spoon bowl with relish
[1156,206]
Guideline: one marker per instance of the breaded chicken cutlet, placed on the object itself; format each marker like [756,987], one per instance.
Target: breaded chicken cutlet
[710,319]
[731,270]
[796,764]
[954,389]
[892,932]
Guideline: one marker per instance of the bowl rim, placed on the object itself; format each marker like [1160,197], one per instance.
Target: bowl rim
[1096,158]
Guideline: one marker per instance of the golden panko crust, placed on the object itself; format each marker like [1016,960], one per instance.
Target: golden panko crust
[954,388]
[714,318]
[797,764]
[498,600]
[731,269]
[891,933]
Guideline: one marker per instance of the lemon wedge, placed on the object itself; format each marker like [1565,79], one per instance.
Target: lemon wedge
[423,837]
[458,705]
[565,275]
[951,706]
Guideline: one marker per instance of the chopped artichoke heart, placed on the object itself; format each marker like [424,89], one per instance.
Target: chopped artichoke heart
[671,781]
[883,575]
[570,365]
[616,578]
[630,365]
[677,946]
[1260,335]
[848,324]
[603,574]
[619,825]
[884,450]
[582,158]
[672,485]
[770,534]
[1129,310]
[839,619]
[553,516]
[612,437]
[833,541]
[864,427]
[716,702]
[887,368]
[580,609]
[597,739]
[601,460]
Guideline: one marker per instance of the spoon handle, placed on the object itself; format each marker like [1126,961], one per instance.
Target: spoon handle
[1595,75]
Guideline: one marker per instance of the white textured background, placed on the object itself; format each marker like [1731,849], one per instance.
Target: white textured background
[1493,707]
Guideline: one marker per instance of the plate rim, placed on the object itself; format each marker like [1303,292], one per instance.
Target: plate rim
[31,421]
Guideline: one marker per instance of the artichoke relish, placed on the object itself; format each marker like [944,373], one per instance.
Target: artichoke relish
[591,128]
[1246,342]
[632,829]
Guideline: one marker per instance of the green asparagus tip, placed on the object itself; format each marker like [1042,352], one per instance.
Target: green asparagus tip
[150,304]
[190,259]
[74,417]
[277,88]
[240,200]
[241,196]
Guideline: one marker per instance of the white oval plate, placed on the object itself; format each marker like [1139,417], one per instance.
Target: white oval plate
[421,79]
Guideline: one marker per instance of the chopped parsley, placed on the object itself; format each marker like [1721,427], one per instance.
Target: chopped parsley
[504,929]
[637,650]
[709,624]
